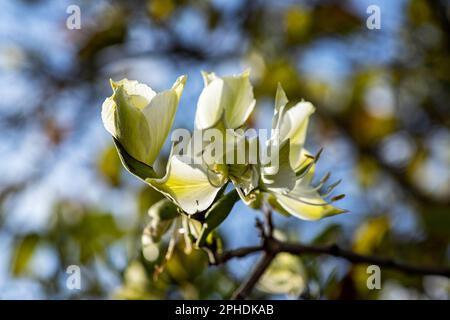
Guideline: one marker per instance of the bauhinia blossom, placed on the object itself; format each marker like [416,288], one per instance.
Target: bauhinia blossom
[299,197]
[194,186]
[225,101]
[139,118]
[140,121]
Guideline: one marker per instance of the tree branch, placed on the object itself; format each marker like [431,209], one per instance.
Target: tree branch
[259,270]
[336,251]
[271,247]
[236,253]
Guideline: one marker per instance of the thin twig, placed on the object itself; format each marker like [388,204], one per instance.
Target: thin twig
[271,247]
[353,257]
[269,221]
[259,270]
[237,253]
[336,251]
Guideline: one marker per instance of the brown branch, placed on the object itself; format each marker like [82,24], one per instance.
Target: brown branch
[237,253]
[336,251]
[271,247]
[244,290]
[269,221]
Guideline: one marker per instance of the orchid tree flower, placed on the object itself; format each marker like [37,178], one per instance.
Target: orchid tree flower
[291,123]
[140,121]
[139,118]
[296,196]
[225,102]
[188,185]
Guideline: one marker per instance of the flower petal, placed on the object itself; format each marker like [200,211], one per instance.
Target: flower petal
[139,118]
[228,98]
[209,105]
[140,92]
[280,178]
[139,95]
[160,114]
[280,103]
[293,126]
[108,111]
[208,77]
[187,185]
[238,99]
[306,203]
[130,126]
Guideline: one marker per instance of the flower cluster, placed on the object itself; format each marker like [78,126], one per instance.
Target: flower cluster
[140,120]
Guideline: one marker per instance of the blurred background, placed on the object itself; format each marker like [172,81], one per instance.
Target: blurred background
[383,119]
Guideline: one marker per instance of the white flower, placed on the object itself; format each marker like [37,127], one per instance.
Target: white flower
[187,185]
[290,189]
[139,118]
[226,101]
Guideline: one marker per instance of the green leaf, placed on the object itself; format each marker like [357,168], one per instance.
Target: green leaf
[138,168]
[218,212]
[329,235]
[161,215]
[109,166]
[146,197]
[23,253]
[94,233]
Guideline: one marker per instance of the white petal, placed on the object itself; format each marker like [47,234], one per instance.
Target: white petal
[305,203]
[209,106]
[208,77]
[142,94]
[187,185]
[227,98]
[280,104]
[139,95]
[294,122]
[131,128]
[108,111]
[293,126]
[280,178]
[160,113]
[238,100]
[280,98]
[139,118]
[303,161]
